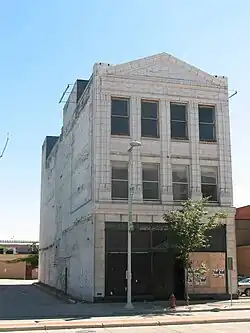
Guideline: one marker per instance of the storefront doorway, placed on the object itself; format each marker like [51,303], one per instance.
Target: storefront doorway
[155,271]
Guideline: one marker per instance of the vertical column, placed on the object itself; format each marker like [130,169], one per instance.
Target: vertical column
[99,256]
[103,114]
[165,136]
[224,147]
[193,132]
[135,131]
[231,248]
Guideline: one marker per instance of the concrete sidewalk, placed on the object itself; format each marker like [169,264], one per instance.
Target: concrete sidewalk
[159,307]
[132,321]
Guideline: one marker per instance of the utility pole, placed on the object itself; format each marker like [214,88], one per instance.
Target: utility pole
[129,304]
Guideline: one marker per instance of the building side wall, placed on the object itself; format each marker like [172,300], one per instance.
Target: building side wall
[66,240]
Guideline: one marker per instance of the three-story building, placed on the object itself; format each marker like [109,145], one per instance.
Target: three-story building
[180,115]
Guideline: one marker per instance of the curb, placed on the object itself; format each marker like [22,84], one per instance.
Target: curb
[212,310]
[56,326]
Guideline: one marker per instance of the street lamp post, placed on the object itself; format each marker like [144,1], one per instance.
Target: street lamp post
[129,304]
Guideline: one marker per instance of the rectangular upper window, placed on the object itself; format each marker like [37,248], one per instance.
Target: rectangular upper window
[180,182]
[178,121]
[149,119]
[150,180]
[120,116]
[209,183]
[119,180]
[207,123]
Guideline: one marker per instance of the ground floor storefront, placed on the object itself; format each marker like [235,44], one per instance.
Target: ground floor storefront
[89,262]
[156,270]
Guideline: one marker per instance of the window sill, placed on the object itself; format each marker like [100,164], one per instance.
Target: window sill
[151,138]
[179,140]
[213,203]
[209,142]
[120,200]
[180,201]
[120,136]
[151,202]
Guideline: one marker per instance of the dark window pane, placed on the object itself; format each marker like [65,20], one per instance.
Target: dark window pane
[119,189]
[149,109]
[178,130]
[120,125]
[140,240]
[159,239]
[150,173]
[207,132]
[120,173]
[178,112]
[206,114]
[149,128]
[180,191]
[180,175]
[150,191]
[119,107]
[209,191]
[208,177]
[116,240]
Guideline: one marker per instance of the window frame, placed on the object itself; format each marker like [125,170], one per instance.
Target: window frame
[214,168]
[151,181]
[154,119]
[213,123]
[179,121]
[116,164]
[120,116]
[187,167]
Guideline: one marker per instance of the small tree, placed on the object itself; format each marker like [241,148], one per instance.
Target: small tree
[187,229]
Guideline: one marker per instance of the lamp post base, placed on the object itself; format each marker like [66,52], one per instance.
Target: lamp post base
[129,306]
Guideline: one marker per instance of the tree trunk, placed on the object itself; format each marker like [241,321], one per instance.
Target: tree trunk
[187,293]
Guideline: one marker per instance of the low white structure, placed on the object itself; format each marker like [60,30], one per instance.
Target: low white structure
[179,114]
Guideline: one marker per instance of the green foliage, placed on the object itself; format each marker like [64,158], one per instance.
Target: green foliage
[188,227]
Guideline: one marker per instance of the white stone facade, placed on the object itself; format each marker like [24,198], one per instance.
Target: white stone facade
[76,177]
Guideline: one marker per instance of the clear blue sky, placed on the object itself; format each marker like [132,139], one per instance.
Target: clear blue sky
[47,44]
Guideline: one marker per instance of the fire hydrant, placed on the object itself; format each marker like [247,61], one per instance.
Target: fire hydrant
[172,302]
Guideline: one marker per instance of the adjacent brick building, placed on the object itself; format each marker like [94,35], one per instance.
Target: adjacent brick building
[180,115]
[10,250]
[242,225]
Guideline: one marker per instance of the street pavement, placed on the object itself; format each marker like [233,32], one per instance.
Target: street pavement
[204,328]
[20,299]
[26,306]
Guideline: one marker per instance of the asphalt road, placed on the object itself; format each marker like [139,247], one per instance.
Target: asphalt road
[206,328]
[22,300]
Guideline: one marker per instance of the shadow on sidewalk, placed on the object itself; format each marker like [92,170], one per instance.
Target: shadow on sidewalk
[22,301]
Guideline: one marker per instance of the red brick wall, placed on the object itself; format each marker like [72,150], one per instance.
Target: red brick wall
[243,260]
